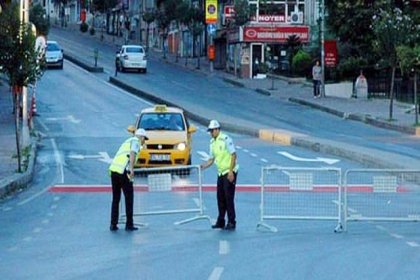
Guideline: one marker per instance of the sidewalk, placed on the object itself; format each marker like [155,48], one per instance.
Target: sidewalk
[10,179]
[372,111]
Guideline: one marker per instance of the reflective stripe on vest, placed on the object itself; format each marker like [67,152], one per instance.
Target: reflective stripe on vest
[222,157]
[122,157]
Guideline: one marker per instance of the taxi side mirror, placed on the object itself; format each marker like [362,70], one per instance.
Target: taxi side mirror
[192,129]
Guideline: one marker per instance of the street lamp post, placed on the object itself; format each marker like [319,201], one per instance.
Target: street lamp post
[24,19]
[322,48]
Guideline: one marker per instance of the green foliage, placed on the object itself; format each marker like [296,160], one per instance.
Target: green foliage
[392,28]
[149,16]
[301,63]
[103,5]
[18,57]
[242,12]
[348,68]
[84,27]
[409,58]
[38,17]
[350,21]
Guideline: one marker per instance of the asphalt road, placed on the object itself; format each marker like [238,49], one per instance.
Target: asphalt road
[186,89]
[47,234]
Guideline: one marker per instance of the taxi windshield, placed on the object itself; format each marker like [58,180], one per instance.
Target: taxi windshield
[162,121]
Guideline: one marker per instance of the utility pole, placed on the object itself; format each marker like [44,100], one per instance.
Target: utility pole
[322,47]
[24,19]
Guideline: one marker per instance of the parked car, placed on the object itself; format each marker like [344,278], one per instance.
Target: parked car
[131,57]
[169,134]
[54,55]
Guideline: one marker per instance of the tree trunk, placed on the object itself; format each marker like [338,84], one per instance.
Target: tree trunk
[391,94]
[16,92]
[416,102]
[147,38]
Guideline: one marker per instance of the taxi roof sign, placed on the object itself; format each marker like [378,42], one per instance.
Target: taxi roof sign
[160,108]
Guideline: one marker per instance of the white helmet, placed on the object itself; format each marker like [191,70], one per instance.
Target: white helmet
[213,124]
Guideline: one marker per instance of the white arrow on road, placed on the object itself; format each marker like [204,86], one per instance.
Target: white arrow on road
[203,155]
[69,118]
[102,156]
[318,159]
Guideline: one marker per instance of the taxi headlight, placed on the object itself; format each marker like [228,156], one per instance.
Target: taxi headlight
[181,146]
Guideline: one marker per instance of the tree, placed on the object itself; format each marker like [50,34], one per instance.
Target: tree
[18,58]
[103,5]
[242,16]
[350,21]
[409,58]
[38,17]
[149,16]
[392,28]
[180,10]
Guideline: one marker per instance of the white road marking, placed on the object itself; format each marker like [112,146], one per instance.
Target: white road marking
[50,214]
[58,160]
[33,197]
[224,247]
[412,244]
[381,228]
[12,249]
[216,273]
[27,238]
[43,125]
[253,155]
[246,151]
[102,156]
[397,236]
[45,221]
[238,147]
[54,206]
[37,230]
[317,159]
[57,198]
[5,209]
[69,118]
[203,155]
[263,160]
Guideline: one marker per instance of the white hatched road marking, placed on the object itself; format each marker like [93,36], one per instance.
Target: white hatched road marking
[412,244]
[263,160]
[216,273]
[224,247]
[253,155]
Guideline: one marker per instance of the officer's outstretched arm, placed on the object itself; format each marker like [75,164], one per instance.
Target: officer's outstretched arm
[207,163]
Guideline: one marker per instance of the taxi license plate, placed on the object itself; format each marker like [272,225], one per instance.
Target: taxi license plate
[159,157]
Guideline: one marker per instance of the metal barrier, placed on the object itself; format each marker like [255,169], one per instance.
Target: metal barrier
[300,193]
[381,195]
[168,190]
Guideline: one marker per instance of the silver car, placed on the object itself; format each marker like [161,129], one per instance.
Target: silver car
[131,57]
[54,55]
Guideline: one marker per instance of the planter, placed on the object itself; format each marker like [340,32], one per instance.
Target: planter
[341,90]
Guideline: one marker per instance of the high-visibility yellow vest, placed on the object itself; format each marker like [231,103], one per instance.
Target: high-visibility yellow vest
[122,157]
[222,157]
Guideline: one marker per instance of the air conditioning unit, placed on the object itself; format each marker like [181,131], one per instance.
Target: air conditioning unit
[296,17]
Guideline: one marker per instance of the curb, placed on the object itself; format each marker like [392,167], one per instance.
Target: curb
[361,118]
[284,137]
[83,64]
[18,181]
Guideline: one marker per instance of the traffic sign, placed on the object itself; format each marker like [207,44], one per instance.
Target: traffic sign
[211,29]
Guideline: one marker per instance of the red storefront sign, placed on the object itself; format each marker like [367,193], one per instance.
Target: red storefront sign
[229,11]
[331,54]
[278,34]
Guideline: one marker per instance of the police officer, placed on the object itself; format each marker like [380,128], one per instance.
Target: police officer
[122,174]
[222,152]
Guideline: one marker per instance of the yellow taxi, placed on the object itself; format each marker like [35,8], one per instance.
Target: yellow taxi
[169,136]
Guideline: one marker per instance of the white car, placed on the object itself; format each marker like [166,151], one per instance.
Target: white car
[131,57]
[54,54]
